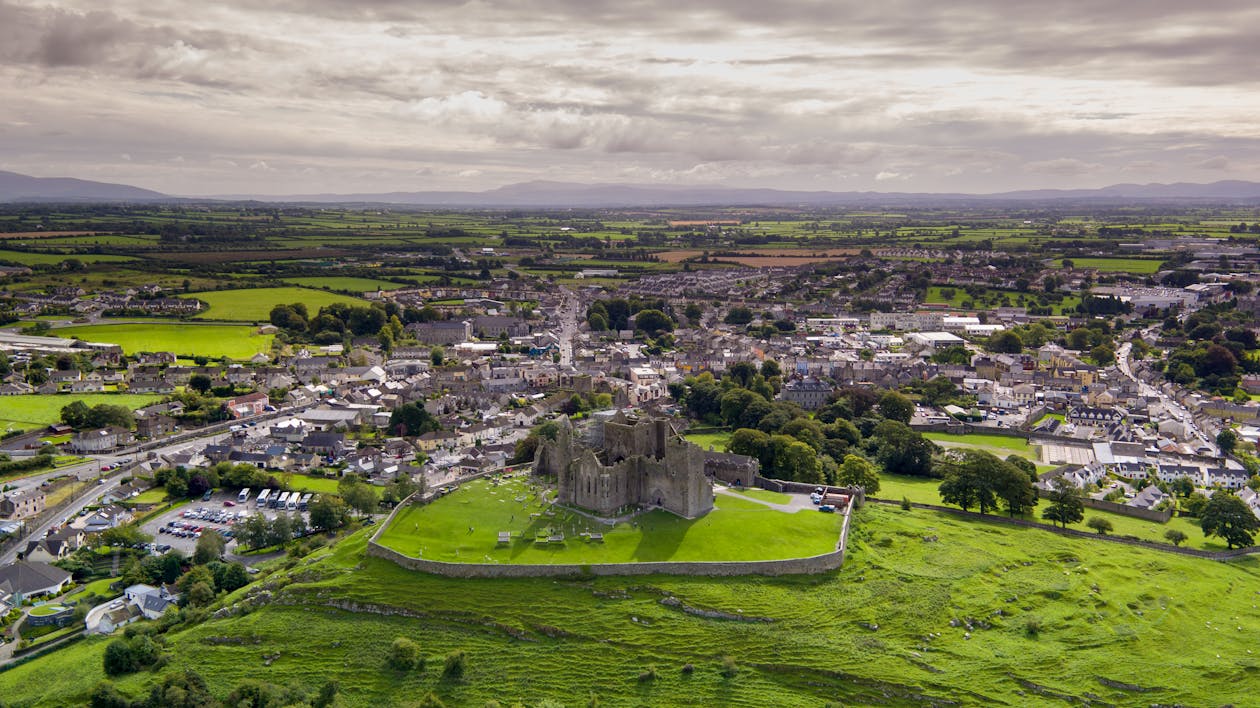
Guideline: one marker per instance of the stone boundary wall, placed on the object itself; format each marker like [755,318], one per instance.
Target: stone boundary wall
[857,494]
[1126,510]
[787,566]
[968,429]
[1167,548]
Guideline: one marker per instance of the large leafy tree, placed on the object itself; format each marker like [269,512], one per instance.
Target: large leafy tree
[901,450]
[1230,518]
[412,419]
[1067,504]
[857,471]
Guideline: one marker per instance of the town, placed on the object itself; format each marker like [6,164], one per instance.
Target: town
[183,420]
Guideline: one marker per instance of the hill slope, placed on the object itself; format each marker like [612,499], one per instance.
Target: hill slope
[16,187]
[929,608]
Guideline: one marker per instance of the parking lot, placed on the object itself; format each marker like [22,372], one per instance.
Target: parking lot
[180,528]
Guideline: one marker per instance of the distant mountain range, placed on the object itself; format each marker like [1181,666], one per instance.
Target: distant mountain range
[23,188]
[19,188]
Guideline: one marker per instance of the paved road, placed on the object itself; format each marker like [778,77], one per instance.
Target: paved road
[568,325]
[1178,411]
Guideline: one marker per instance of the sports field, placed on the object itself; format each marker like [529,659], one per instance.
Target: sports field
[37,410]
[187,340]
[464,526]
[254,304]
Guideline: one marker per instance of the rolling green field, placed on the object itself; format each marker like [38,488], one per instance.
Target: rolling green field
[928,609]
[464,526]
[36,410]
[345,284]
[26,258]
[1139,266]
[1059,304]
[214,341]
[254,305]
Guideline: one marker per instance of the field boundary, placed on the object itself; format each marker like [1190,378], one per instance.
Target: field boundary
[977,516]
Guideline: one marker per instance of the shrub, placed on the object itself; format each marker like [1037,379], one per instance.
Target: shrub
[729,668]
[688,669]
[1032,626]
[647,675]
[431,701]
[1175,537]
[905,503]
[404,655]
[456,663]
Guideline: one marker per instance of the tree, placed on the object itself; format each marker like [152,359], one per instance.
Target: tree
[894,406]
[119,659]
[127,535]
[328,512]
[798,462]
[412,419]
[857,471]
[404,655]
[1175,537]
[209,547]
[184,690]
[747,441]
[653,322]
[1067,505]
[1195,505]
[901,450]
[1099,524]
[253,533]
[1182,486]
[200,594]
[1103,355]
[1006,342]
[1230,518]
[1227,441]
[437,355]
[738,316]
[200,383]
[358,495]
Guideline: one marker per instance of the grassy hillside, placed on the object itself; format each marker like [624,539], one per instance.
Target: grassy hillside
[928,608]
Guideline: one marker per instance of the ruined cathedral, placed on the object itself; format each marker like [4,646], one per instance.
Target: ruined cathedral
[627,462]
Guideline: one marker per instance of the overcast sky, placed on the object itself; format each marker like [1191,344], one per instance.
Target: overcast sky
[202,98]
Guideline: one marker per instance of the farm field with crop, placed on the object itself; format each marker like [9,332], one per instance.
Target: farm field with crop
[43,258]
[255,304]
[188,340]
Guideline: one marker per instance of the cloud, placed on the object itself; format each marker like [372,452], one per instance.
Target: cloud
[1219,162]
[1063,166]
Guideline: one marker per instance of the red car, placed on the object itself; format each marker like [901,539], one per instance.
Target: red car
[229,503]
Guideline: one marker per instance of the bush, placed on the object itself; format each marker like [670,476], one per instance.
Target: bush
[1032,626]
[905,503]
[404,655]
[647,675]
[456,663]
[688,669]
[729,668]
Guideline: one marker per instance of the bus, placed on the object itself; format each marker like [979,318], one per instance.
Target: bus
[243,496]
[291,505]
[280,501]
[263,497]
[305,502]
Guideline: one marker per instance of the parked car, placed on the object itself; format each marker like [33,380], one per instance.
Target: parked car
[827,508]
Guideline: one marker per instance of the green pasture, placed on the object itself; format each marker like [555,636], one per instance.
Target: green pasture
[717,441]
[214,341]
[464,526]
[37,410]
[345,284]
[1137,266]
[255,304]
[45,258]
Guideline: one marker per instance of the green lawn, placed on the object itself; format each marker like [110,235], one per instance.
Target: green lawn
[1055,621]
[763,494]
[1139,266]
[717,441]
[96,587]
[345,284]
[157,495]
[254,305]
[214,341]
[36,410]
[46,610]
[464,526]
